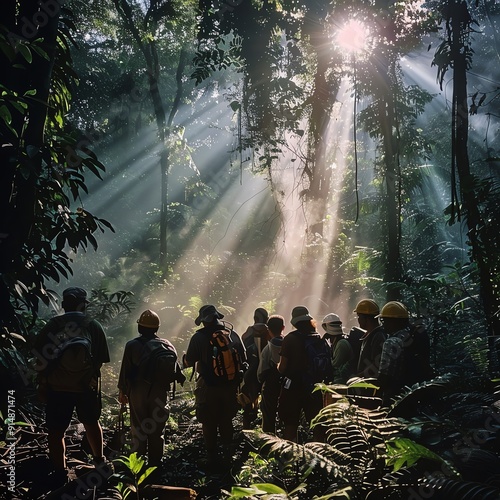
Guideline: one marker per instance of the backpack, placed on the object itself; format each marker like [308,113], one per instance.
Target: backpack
[318,355]
[354,339]
[158,364]
[226,360]
[416,366]
[71,367]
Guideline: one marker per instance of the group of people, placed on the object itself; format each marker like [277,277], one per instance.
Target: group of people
[263,369]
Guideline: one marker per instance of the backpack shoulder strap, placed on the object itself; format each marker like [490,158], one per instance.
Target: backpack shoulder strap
[148,343]
[227,326]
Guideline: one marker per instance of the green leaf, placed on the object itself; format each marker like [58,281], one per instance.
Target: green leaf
[269,488]
[136,463]
[25,52]
[363,385]
[124,460]
[40,52]
[22,424]
[401,451]
[93,167]
[149,470]
[20,107]
[240,492]
[235,106]
[5,114]
[122,475]
[106,223]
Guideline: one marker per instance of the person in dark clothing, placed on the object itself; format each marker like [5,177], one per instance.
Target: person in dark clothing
[216,402]
[371,341]
[148,399]
[404,360]
[254,339]
[62,396]
[354,337]
[296,395]
[268,374]
[419,358]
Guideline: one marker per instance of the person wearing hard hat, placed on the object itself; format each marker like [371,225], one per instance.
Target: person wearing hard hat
[149,366]
[342,352]
[404,360]
[372,339]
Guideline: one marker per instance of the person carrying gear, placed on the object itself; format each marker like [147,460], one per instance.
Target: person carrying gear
[305,359]
[220,368]
[254,339]
[268,374]
[64,389]
[342,352]
[404,360]
[149,366]
[372,339]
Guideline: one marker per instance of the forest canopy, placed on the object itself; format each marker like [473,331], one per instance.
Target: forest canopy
[248,153]
[165,154]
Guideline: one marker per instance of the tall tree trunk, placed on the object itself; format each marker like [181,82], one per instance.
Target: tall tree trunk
[20,156]
[392,271]
[460,24]
[317,170]
[386,113]
[165,162]
[149,50]
[163,133]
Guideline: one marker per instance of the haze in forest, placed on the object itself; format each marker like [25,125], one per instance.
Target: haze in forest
[273,157]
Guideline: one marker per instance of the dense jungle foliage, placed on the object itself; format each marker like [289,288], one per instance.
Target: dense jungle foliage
[168,154]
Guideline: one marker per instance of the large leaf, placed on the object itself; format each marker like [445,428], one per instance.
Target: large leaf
[403,451]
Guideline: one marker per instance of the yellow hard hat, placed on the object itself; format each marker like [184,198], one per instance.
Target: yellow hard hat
[394,309]
[367,306]
[149,319]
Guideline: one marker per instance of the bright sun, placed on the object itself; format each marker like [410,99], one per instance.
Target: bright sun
[352,37]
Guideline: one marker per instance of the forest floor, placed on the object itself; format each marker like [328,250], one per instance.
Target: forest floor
[183,464]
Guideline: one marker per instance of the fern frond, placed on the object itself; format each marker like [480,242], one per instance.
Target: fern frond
[348,425]
[317,455]
[470,407]
[461,490]
[402,451]
[407,403]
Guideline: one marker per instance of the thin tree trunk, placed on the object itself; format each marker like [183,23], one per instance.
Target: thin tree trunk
[386,110]
[392,272]
[164,127]
[165,163]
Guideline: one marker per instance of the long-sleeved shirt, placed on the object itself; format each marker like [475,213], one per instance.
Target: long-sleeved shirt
[370,353]
[269,359]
